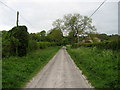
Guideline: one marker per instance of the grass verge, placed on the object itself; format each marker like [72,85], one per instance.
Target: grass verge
[17,71]
[100,66]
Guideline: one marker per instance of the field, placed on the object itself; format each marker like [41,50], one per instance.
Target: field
[19,70]
[100,66]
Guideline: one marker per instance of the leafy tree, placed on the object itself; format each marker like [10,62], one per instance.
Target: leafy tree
[40,36]
[34,36]
[65,41]
[71,37]
[55,36]
[20,38]
[75,23]
[58,24]
[43,33]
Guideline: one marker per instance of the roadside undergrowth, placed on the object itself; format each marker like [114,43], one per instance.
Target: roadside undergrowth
[100,66]
[17,71]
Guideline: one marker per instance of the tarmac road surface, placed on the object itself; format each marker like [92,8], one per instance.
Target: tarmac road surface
[60,72]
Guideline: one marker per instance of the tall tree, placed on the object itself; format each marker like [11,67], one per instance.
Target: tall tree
[58,24]
[55,36]
[20,36]
[43,33]
[75,23]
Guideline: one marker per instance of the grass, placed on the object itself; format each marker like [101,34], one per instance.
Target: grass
[100,66]
[17,71]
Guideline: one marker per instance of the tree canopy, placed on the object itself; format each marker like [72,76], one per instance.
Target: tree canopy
[16,41]
[55,36]
[75,23]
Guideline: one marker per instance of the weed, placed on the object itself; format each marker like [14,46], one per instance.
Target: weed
[17,71]
[100,66]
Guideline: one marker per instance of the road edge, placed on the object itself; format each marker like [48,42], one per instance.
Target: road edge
[84,77]
[39,72]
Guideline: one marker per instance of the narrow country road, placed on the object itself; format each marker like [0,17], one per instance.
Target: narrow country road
[60,72]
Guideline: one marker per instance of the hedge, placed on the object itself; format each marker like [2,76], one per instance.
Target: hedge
[43,45]
[114,45]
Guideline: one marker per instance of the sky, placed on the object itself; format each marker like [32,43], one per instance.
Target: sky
[39,15]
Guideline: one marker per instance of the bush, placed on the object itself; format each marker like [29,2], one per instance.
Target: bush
[75,45]
[17,71]
[32,45]
[100,66]
[43,45]
[113,45]
[6,48]
[15,41]
[21,34]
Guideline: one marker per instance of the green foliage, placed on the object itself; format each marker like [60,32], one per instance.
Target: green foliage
[15,41]
[101,36]
[75,45]
[17,71]
[6,48]
[55,36]
[34,36]
[32,45]
[71,37]
[76,24]
[113,45]
[113,37]
[43,45]
[43,33]
[40,36]
[5,44]
[22,35]
[100,66]
[65,41]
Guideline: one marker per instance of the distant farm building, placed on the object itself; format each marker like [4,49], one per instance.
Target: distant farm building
[91,40]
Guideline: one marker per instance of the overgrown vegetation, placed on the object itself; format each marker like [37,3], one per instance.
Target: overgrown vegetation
[96,54]
[113,45]
[18,70]
[100,66]
[99,60]
[15,42]
[18,42]
[24,54]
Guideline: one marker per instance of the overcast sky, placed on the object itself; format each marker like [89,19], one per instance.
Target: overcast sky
[39,14]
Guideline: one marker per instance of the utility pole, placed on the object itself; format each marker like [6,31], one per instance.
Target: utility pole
[17,18]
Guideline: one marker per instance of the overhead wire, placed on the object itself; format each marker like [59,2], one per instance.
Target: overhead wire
[97,8]
[15,12]
[7,6]
[33,26]
[95,11]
